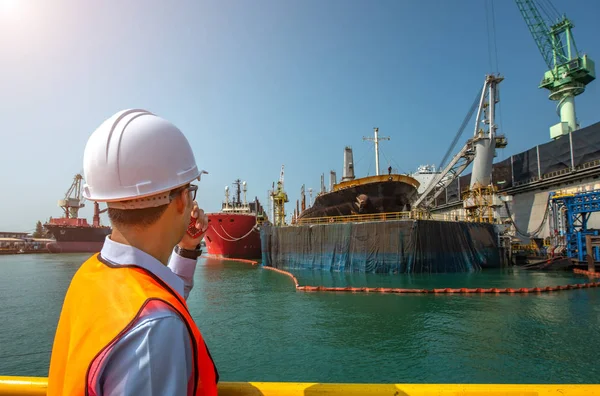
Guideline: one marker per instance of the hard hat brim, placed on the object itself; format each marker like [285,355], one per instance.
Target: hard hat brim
[156,196]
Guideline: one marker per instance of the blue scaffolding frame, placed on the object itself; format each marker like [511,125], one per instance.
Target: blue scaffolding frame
[579,208]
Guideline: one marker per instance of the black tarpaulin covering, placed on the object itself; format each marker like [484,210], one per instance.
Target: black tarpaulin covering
[464,182]
[555,156]
[586,144]
[525,165]
[442,246]
[441,199]
[502,174]
[452,190]
[382,247]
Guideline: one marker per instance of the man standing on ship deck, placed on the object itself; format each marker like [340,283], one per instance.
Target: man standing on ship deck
[125,328]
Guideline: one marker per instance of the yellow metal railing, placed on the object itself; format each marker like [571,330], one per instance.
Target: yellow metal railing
[36,386]
[380,217]
[356,218]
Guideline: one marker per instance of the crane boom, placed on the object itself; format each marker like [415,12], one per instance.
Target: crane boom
[452,171]
[541,33]
[480,148]
[73,199]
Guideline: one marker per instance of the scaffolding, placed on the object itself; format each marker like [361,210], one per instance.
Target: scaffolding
[570,213]
[481,203]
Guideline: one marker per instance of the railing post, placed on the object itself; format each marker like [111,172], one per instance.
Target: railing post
[512,171]
[571,149]
[537,149]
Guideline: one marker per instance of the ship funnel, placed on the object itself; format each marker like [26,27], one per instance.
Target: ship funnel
[348,165]
[332,180]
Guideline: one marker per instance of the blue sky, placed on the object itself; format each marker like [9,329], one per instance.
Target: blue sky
[258,84]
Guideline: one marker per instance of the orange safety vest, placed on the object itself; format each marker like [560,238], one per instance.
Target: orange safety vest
[102,303]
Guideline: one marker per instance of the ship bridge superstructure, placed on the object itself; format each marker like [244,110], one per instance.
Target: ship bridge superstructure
[238,203]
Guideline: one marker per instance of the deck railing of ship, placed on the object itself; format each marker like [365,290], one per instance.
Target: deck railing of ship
[360,218]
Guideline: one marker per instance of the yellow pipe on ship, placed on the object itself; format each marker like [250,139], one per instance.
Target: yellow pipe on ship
[36,386]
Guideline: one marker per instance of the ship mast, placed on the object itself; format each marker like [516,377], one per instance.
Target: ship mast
[238,200]
[376,139]
[236,205]
[245,202]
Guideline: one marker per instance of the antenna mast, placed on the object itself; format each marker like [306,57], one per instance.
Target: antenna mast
[376,139]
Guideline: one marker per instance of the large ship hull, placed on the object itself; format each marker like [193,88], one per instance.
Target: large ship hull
[76,239]
[233,235]
[376,194]
[74,247]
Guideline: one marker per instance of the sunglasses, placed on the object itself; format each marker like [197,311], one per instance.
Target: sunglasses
[191,188]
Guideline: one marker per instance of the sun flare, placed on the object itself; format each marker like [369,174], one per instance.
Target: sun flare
[14,11]
[9,7]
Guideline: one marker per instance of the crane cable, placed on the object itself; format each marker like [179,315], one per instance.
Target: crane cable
[400,169]
[548,8]
[461,129]
[491,35]
[538,229]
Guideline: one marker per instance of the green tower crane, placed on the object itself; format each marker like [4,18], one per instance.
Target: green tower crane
[568,72]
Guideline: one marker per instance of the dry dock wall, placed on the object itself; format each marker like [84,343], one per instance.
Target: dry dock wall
[392,247]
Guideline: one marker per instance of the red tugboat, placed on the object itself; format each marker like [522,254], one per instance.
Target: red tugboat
[233,232]
[74,234]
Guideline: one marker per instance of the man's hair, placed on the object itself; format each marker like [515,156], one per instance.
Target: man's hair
[136,217]
[140,217]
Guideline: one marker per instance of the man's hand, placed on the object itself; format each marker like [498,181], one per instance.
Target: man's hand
[189,243]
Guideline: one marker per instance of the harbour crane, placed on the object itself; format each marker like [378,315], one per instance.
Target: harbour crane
[569,72]
[73,199]
[479,150]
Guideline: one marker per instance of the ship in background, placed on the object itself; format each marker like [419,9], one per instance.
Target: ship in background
[234,231]
[383,223]
[389,193]
[73,234]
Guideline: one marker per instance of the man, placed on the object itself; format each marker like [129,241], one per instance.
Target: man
[125,328]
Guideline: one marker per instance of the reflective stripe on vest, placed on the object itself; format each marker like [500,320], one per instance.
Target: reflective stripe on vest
[102,303]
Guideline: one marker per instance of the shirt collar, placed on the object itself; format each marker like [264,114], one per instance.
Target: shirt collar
[120,254]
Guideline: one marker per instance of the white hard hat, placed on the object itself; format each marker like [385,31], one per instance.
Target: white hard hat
[134,159]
